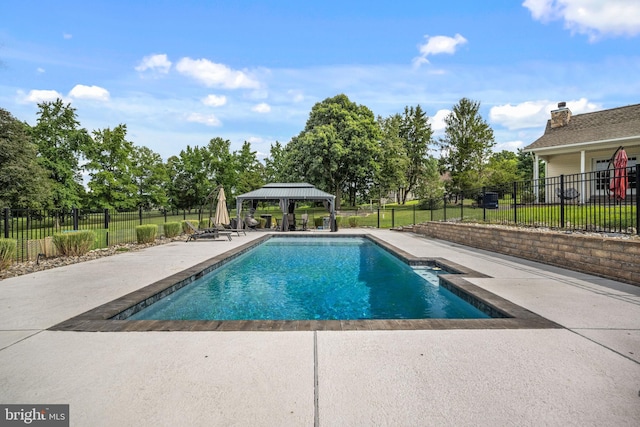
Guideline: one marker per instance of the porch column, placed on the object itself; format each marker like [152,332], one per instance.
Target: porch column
[583,170]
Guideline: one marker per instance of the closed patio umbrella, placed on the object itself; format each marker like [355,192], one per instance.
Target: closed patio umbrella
[619,183]
[222,215]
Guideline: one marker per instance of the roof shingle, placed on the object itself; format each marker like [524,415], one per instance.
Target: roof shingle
[621,122]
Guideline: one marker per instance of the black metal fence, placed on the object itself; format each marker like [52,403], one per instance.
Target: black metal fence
[585,202]
[33,229]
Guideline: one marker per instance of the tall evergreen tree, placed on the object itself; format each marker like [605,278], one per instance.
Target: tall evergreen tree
[416,136]
[393,158]
[466,145]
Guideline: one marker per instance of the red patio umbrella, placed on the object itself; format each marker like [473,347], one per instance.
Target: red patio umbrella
[618,185]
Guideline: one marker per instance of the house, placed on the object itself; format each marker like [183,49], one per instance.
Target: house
[585,144]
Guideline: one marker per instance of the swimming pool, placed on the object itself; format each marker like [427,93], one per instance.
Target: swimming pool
[115,315]
[313,278]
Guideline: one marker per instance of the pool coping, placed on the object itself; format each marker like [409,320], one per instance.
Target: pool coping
[111,316]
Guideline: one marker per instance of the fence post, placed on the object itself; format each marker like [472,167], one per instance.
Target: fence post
[393,217]
[484,208]
[638,199]
[561,201]
[378,217]
[106,225]
[5,213]
[444,213]
[515,202]
[140,214]
[74,212]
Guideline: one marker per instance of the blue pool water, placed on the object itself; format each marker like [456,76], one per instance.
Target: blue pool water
[299,278]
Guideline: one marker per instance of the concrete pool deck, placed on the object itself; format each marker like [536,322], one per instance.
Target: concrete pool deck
[585,373]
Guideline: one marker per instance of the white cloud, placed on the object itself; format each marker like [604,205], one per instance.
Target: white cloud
[89,92]
[508,146]
[159,63]
[524,115]
[40,70]
[531,114]
[437,121]
[595,18]
[296,95]
[436,45]
[205,119]
[37,96]
[215,100]
[212,74]
[261,108]
[67,36]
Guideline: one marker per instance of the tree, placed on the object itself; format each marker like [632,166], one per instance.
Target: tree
[277,165]
[502,171]
[109,163]
[525,165]
[190,184]
[23,181]
[338,148]
[466,145]
[221,165]
[393,161]
[415,133]
[249,170]
[60,142]
[150,176]
[430,187]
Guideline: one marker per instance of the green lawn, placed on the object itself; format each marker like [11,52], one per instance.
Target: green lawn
[31,241]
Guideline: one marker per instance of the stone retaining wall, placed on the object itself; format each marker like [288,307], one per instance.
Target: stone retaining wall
[617,259]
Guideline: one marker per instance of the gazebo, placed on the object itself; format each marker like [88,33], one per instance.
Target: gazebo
[285,194]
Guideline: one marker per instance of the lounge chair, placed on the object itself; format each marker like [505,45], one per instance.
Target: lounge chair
[231,228]
[210,233]
[569,194]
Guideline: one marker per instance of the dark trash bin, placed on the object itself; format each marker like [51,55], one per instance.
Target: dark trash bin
[488,200]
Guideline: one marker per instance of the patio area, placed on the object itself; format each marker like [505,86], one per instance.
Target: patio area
[585,373]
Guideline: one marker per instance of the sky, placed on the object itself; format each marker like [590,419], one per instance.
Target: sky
[180,73]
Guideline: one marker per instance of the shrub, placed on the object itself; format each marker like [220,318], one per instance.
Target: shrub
[339,221]
[8,248]
[74,243]
[353,221]
[146,233]
[317,221]
[431,204]
[193,222]
[263,223]
[172,229]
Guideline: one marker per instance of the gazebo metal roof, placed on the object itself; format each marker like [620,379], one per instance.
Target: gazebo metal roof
[295,191]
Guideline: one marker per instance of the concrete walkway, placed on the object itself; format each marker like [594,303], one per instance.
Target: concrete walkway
[585,374]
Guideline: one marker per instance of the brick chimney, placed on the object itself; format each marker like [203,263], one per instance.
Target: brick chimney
[561,116]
